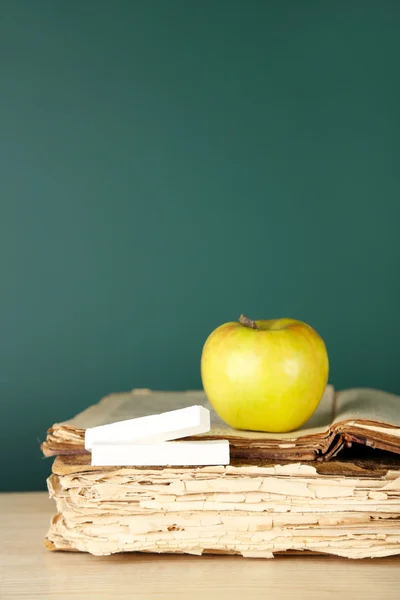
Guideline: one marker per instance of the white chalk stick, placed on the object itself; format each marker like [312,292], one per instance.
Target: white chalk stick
[191,454]
[171,425]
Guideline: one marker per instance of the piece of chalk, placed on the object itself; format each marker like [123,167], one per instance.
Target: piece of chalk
[171,425]
[144,454]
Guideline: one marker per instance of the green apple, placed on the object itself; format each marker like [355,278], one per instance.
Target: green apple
[266,375]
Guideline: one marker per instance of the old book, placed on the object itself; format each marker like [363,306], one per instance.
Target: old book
[365,416]
[348,507]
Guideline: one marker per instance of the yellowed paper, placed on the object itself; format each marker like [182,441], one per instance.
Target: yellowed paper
[255,511]
[364,404]
[140,403]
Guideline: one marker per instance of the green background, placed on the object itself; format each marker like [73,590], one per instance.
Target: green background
[167,165]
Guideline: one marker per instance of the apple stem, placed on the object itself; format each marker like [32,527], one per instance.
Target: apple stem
[243,320]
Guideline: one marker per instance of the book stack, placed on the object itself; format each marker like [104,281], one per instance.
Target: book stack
[331,488]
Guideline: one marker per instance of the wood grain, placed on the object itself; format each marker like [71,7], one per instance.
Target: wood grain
[27,570]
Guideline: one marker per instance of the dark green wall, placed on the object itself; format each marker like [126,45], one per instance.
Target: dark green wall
[166,165]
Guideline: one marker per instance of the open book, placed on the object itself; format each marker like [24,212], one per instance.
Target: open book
[362,415]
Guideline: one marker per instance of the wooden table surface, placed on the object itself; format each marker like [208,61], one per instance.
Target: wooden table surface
[27,570]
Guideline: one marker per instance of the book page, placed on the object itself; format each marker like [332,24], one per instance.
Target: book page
[140,403]
[371,406]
